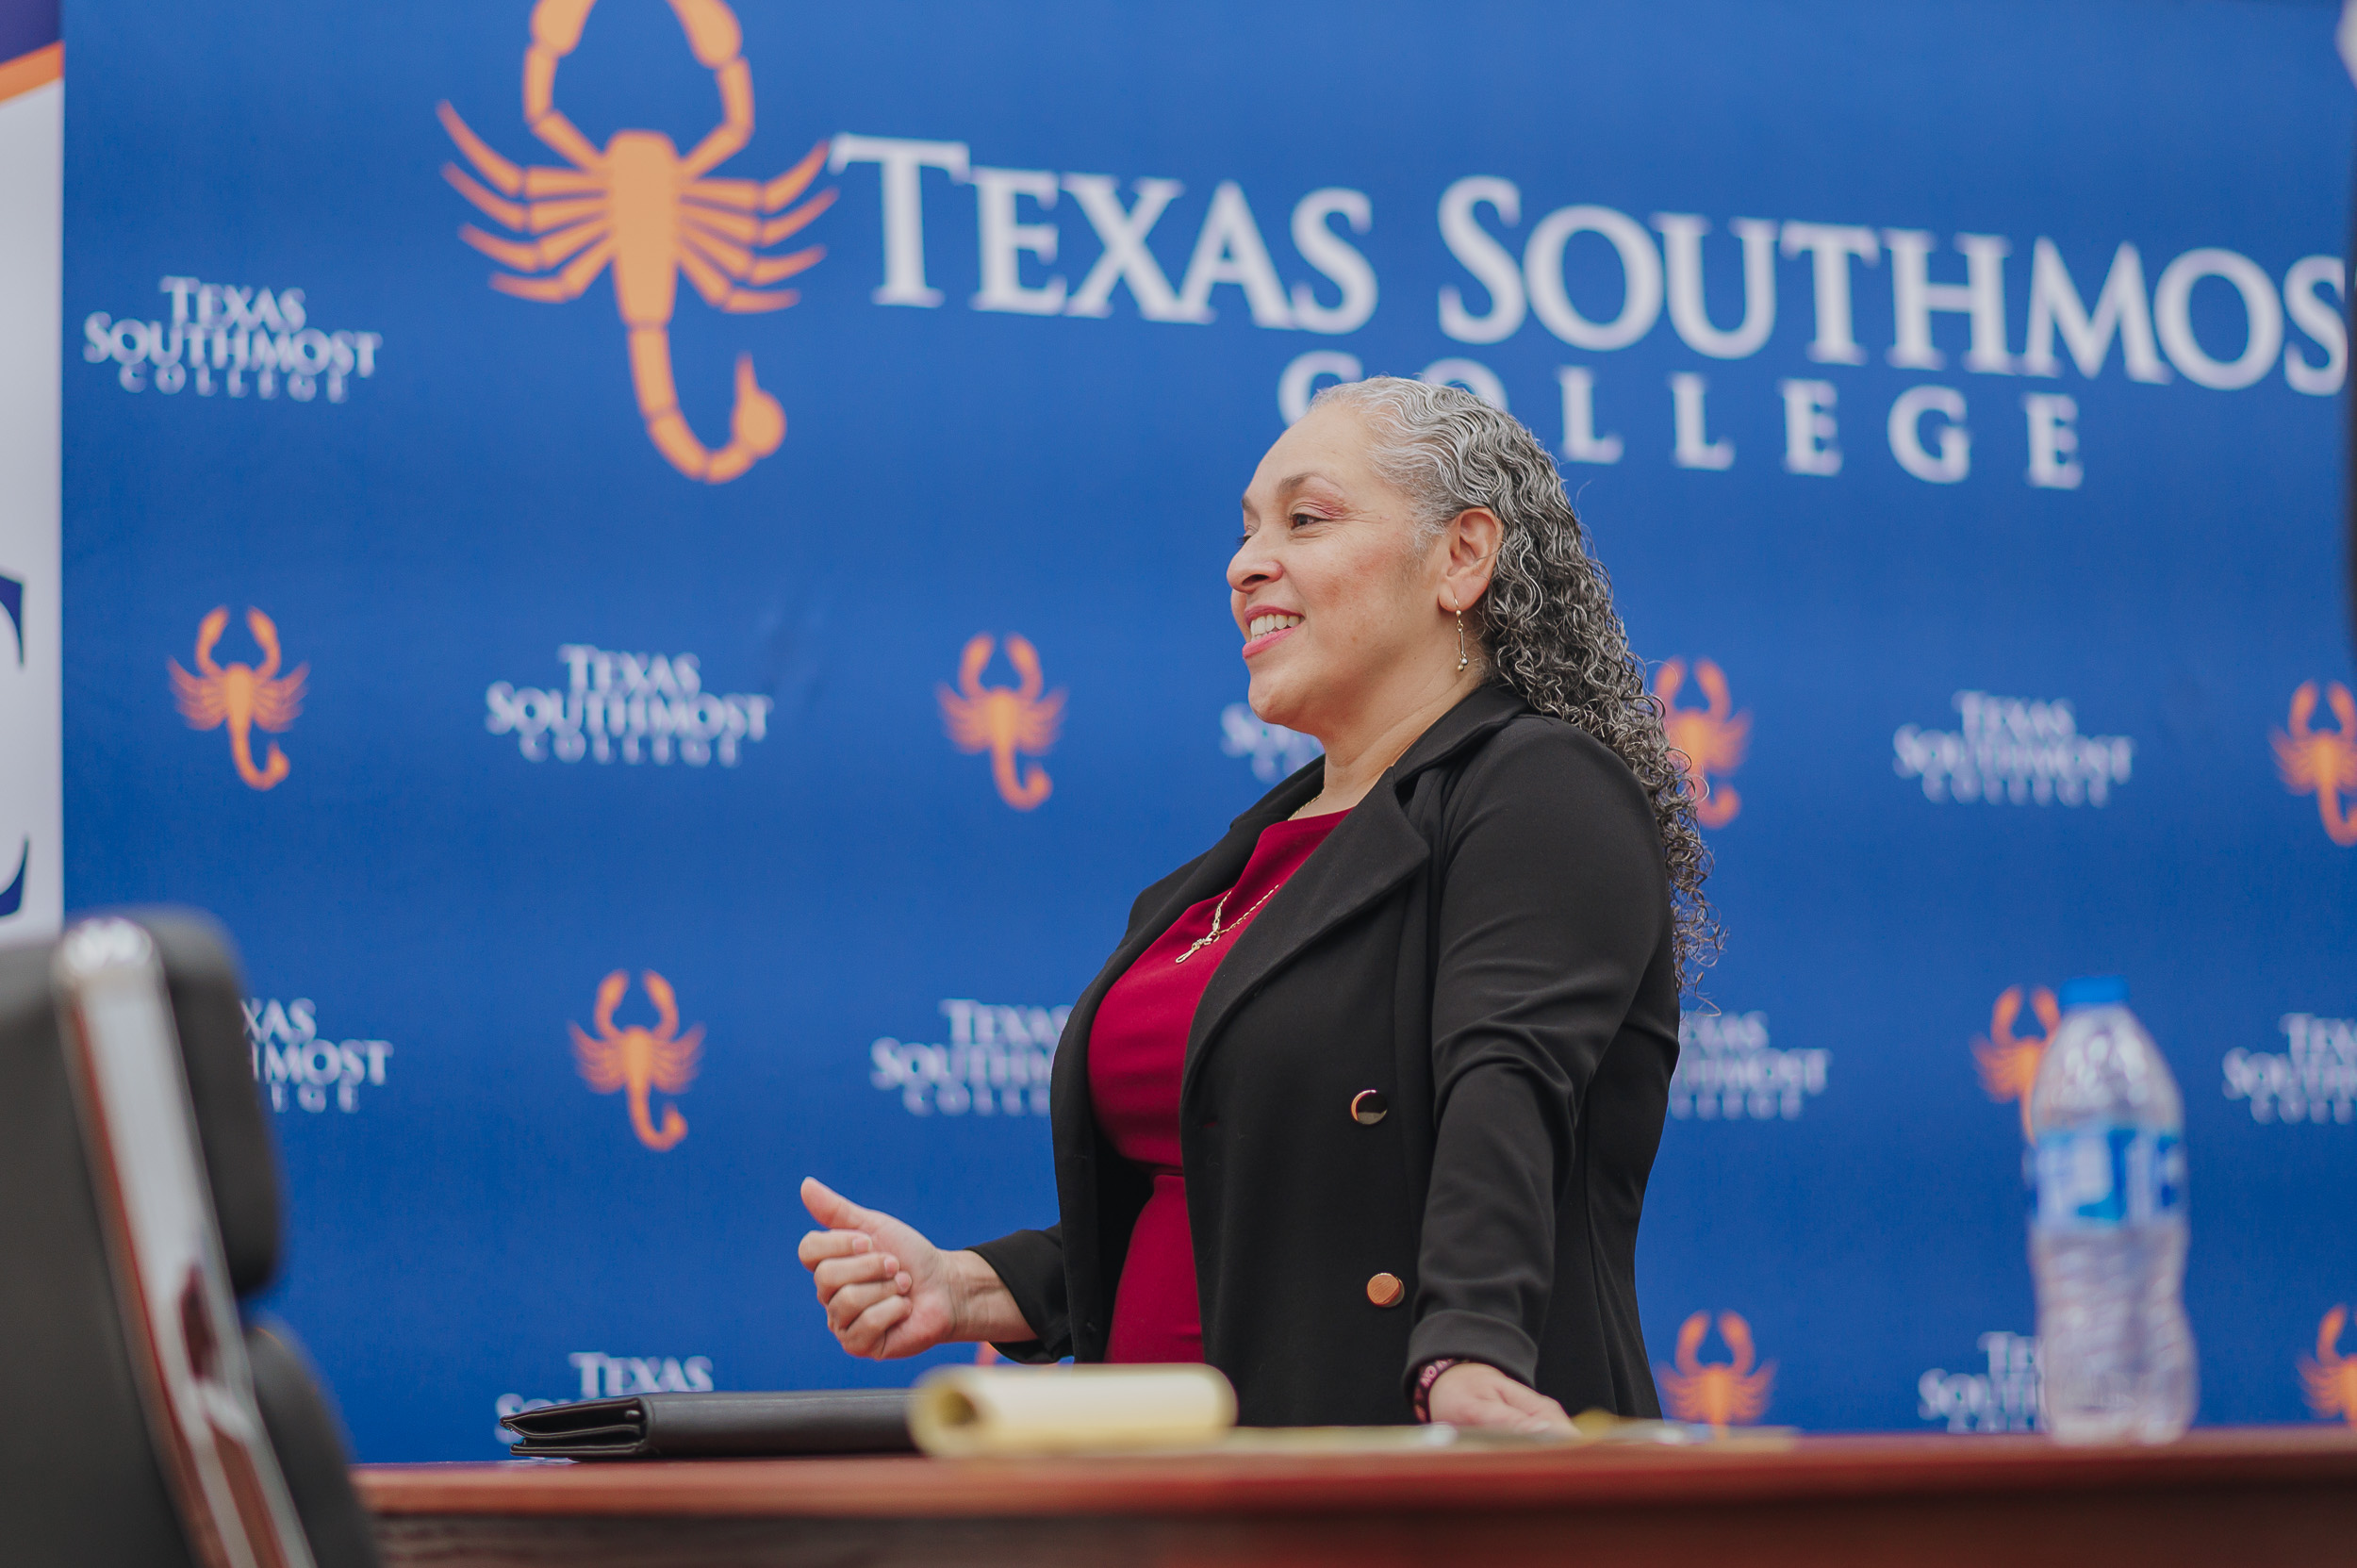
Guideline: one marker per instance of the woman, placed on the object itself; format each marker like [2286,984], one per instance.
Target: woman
[1362,1109]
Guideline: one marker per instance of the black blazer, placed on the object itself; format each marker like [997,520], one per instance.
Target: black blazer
[1487,940]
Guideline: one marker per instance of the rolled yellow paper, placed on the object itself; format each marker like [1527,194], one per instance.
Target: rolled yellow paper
[959,1412]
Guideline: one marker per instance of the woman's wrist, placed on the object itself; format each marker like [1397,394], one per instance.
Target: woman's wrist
[1427,1375]
[982,1307]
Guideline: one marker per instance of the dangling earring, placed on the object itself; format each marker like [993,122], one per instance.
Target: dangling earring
[1461,639]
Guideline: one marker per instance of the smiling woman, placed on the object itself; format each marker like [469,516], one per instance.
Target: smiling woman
[1362,1109]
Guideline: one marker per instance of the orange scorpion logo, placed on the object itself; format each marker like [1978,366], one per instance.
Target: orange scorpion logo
[1003,720]
[1722,1393]
[2323,763]
[2331,1380]
[2008,1063]
[640,1059]
[244,695]
[644,208]
[1707,741]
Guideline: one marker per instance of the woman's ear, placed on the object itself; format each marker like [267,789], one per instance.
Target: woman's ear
[1472,544]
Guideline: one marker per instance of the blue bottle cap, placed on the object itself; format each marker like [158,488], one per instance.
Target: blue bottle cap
[2094,991]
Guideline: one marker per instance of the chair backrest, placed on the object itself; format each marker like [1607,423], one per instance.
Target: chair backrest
[138,1200]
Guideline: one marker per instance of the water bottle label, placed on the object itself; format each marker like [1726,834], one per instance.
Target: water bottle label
[2100,1176]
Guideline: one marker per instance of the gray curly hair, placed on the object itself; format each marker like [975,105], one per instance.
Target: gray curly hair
[1547,627]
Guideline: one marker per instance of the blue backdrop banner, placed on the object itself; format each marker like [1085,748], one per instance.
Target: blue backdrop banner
[661,567]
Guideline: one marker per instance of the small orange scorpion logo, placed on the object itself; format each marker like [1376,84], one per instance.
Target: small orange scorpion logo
[640,1059]
[1722,1393]
[1003,720]
[2323,763]
[2008,1063]
[244,695]
[1707,741]
[641,207]
[2331,1380]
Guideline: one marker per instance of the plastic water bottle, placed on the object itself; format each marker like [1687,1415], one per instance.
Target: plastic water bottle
[2107,1239]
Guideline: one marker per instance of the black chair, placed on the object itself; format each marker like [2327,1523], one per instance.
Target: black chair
[138,1201]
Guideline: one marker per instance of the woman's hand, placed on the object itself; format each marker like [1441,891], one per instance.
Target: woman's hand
[889,1292]
[1473,1395]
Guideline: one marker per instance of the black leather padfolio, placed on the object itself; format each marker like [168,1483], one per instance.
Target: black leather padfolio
[716,1426]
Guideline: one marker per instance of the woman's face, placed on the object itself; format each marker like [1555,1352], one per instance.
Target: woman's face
[1341,613]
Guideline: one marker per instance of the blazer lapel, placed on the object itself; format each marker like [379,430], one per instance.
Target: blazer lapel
[1217,870]
[1371,852]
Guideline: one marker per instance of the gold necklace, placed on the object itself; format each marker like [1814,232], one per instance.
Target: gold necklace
[1203,942]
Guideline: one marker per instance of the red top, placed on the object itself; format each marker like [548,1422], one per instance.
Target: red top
[1137,1052]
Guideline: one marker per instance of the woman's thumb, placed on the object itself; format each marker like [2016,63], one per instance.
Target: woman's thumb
[829,1207]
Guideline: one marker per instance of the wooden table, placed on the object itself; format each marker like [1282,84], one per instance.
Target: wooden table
[2236,1497]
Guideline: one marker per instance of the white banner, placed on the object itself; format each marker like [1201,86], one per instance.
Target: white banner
[32,184]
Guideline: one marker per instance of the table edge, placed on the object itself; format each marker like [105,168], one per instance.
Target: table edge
[1817,1468]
